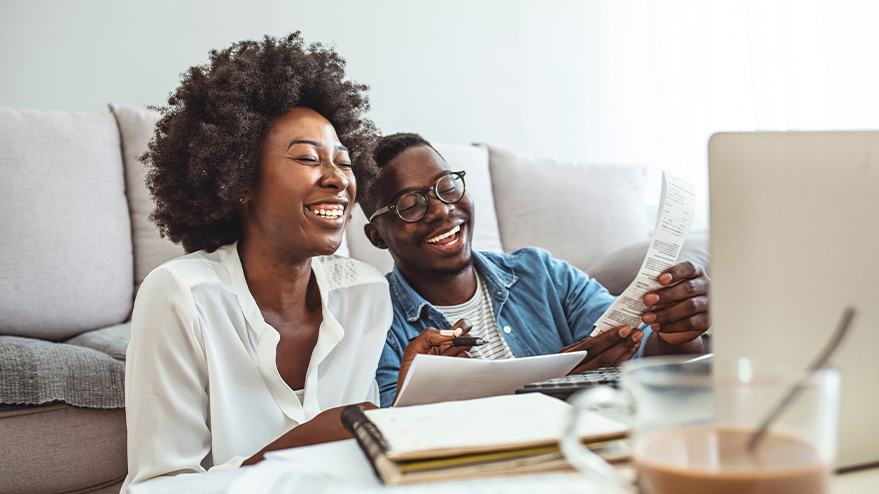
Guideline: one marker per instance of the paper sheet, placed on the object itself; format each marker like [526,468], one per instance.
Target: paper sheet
[434,378]
[342,468]
[676,207]
[324,460]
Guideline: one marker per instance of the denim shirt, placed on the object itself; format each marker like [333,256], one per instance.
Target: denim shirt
[541,305]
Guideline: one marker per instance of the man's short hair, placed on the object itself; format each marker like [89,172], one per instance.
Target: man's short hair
[387,148]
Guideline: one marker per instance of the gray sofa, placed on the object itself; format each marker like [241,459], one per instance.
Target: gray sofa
[77,243]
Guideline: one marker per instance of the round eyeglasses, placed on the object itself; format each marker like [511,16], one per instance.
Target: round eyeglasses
[412,206]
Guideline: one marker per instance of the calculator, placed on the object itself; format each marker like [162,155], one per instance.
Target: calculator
[563,387]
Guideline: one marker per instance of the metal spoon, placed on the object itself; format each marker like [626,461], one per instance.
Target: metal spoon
[800,385]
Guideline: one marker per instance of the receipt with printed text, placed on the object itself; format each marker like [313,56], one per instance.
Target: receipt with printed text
[676,208]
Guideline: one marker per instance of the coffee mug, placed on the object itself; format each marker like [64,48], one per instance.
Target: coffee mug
[691,422]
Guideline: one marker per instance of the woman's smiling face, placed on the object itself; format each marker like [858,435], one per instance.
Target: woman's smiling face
[304,190]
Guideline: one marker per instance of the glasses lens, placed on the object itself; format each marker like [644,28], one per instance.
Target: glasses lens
[411,206]
[450,189]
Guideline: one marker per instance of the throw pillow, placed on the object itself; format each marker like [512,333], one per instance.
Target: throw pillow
[579,212]
[65,256]
[136,128]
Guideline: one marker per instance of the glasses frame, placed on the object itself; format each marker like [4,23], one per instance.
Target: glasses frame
[424,193]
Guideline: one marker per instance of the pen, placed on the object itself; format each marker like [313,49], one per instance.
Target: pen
[464,341]
[468,341]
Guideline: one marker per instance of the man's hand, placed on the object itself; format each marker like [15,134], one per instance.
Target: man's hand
[613,347]
[434,341]
[680,310]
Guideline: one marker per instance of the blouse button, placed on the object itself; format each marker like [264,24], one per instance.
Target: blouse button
[507,329]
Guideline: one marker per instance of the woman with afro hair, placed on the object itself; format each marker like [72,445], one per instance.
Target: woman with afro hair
[254,340]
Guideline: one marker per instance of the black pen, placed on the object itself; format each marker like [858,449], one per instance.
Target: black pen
[463,341]
[468,341]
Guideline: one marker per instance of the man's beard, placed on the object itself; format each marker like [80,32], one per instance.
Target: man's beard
[451,273]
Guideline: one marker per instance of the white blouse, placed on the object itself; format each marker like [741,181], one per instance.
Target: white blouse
[202,388]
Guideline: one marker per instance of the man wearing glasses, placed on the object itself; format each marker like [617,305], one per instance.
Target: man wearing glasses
[525,303]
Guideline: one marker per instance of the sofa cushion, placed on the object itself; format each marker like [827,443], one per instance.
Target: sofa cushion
[113,340]
[472,159]
[136,128]
[36,372]
[579,212]
[617,270]
[65,257]
[60,448]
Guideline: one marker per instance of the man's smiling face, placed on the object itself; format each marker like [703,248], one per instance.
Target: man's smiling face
[439,243]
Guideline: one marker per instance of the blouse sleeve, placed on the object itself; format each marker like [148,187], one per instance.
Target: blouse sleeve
[166,383]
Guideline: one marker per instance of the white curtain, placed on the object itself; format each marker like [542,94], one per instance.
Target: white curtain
[675,72]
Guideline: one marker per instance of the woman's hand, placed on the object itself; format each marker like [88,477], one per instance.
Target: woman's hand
[434,341]
[323,428]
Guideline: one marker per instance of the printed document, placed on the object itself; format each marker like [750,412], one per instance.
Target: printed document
[434,378]
[676,207]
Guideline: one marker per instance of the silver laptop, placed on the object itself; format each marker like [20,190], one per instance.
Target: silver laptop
[795,239]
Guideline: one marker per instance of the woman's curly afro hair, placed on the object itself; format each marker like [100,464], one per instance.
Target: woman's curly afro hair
[204,156]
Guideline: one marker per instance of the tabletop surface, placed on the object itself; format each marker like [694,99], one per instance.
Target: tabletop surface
[857,482]
[340,467]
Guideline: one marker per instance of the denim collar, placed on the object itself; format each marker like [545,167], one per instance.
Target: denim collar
[497,278]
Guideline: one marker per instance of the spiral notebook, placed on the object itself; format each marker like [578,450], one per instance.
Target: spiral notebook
[504,435]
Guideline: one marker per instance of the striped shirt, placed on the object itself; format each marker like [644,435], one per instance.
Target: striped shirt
[481,314]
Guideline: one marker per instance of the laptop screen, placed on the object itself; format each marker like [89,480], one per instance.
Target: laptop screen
[794,240]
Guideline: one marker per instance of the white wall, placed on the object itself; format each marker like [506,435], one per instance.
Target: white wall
[615,81]
[507,72]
